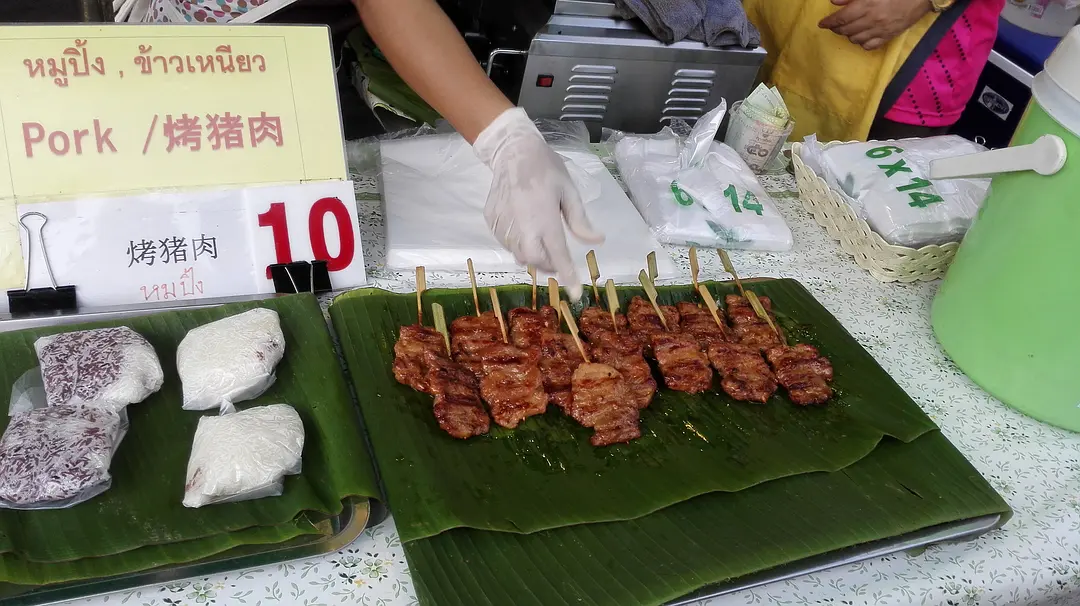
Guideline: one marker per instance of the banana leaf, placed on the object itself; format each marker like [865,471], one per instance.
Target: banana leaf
[32,574]
[710,539]
[143,506]
[545,474]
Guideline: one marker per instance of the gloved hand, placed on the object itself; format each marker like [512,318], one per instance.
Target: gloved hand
[531,194]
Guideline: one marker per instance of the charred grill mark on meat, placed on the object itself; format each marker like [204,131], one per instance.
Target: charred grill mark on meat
[748,328]
[413,343]
[559,358]
[744,374]
[803,372]
[644,322]
[696,321]
[469,335]
[420,361]
[529,326]
[623,351]
[458,408]
[682,363]
[601,401]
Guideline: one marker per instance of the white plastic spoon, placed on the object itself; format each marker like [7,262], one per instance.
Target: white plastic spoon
[1045,156]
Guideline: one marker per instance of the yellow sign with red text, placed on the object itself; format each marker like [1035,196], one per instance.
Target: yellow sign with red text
[93,110]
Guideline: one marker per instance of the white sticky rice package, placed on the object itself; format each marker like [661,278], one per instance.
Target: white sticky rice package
[887,184]
[230,360]
[109,367]
[244,455]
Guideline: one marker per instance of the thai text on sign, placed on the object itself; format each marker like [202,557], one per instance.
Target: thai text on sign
[97,110]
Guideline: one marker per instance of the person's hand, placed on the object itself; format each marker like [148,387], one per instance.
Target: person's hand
[872,23]
[531,194]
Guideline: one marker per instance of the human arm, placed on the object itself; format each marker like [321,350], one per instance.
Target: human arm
[430,55]
[531,191]
[873,23]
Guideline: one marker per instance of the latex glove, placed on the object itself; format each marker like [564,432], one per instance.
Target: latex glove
[531,195]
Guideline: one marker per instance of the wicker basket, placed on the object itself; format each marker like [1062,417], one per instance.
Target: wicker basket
[886,262]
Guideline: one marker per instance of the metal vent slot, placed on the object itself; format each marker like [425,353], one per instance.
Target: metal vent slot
[677,82]
[586,98]
[588,88]
[684,101]
[594,69]
[580,107]
[687,119]
[695,73]
[690,92]
[682,110]
[592,78]
[583,117]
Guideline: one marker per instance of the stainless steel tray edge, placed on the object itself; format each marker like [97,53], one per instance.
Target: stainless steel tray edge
[948,532]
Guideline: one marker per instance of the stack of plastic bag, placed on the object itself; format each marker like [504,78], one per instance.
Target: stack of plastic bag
[886,184]
[698,191]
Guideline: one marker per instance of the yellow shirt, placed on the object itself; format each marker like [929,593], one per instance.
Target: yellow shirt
[831,86]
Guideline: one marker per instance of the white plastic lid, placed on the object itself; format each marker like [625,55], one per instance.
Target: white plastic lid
[1063,66]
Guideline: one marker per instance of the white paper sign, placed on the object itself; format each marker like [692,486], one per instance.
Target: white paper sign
[160,247]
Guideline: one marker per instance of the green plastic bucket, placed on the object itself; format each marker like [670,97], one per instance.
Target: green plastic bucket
[1008,312]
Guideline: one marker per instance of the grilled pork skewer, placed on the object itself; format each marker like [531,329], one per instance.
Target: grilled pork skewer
[749,328]
[613,344]
[682,362]
[600,398]
[422,361]
[803,372]
[510,379]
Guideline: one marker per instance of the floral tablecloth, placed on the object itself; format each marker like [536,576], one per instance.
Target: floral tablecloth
[1034,560]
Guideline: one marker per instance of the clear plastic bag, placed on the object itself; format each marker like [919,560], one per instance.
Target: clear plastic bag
[683,187]
[111,367]
[245,455]
[886,183]
[230,360]
[57,457]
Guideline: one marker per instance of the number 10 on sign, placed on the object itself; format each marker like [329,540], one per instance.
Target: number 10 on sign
[315,221]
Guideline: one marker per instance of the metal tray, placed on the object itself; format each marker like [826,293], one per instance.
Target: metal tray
[345,528]
[963,530]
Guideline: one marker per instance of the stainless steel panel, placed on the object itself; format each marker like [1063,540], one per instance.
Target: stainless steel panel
[590,8]
[962,530]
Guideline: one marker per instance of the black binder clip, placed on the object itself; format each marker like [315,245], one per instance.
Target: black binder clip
[301,276]
[39,300]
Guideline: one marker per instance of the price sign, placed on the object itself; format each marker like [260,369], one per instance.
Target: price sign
[305,222]
[161,247]
[122,110]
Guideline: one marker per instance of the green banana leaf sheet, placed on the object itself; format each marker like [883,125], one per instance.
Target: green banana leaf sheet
[142,511]
[545,474]
[710,539]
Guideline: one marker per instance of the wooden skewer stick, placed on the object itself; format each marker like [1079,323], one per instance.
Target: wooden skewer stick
[495,307]
[612,303]
[553,295]
[728,267]
[532,274]
[421,286]
[594,273]
[472,279]
[759,309]
[694,268]
[572,325]
[650,262]
[711,304]
[440,323]
[650,290]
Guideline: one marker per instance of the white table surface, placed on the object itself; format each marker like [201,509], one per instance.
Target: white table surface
[1033,560]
